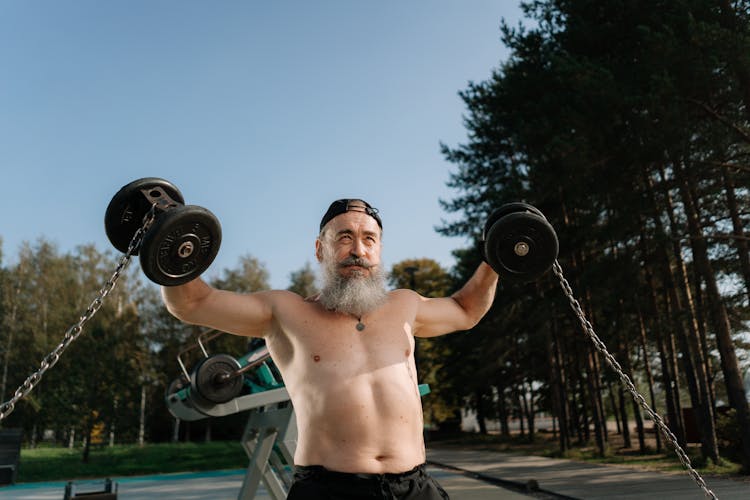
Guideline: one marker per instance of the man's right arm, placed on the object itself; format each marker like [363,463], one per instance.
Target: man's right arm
[198,303]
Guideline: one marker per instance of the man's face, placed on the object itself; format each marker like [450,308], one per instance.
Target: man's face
[352,240]
[349,253]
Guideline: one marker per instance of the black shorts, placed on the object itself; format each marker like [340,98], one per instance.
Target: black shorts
[312,482]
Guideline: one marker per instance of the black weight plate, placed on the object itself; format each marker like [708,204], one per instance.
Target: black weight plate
[128,206]
[505,209]
[521,227]
[205,379]
[180,245]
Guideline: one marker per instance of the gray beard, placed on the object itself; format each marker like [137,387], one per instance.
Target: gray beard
[357,294]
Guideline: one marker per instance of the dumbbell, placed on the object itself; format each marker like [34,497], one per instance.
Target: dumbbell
[182,241]
[518,242]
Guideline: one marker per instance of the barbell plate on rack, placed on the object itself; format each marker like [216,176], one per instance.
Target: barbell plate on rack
[180,245]
[208,381]
[521,247]
[129,205]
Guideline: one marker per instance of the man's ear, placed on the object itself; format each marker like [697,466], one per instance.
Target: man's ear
[319,250]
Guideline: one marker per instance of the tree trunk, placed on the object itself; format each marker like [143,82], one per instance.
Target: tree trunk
[740,241]
[687,331]
[502,409]
[649,375]
[703,339]
[664,336]
[559,391]
[574,405]
[670,344]
[595,408]
[615,410]
[142,417]
[480,412]
[528,400]
[729,363]
[87,440]
[585,422]
[624,416]
[599,393]
[628,367]
[32,440]
[639,427]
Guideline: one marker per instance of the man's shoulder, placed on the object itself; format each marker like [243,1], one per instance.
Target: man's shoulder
[281,296]
[403,295]
[286,300]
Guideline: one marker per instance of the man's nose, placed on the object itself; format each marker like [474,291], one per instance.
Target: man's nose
[357,249]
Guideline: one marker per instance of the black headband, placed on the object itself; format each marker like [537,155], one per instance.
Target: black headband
[344,205]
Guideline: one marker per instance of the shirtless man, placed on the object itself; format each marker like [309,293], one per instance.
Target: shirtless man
[347,358]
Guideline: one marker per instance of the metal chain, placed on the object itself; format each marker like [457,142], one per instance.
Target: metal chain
[74,331]
[671,438]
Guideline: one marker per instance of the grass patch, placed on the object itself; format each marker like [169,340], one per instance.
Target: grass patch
[55,464]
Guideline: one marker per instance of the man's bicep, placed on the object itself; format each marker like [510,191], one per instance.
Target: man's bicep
[438,316]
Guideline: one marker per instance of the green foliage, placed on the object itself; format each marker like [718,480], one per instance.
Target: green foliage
[91,386]
[249,276]
[727,431]
[56,464]
[302,281]
[610,117]
[424,276]
[130,345]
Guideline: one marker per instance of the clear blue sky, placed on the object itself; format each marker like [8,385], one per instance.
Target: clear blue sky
[263,112]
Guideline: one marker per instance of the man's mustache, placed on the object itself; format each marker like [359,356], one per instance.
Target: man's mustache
[355,261]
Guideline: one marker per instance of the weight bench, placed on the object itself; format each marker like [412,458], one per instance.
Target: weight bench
[270,436]
[261,385]
[10,454]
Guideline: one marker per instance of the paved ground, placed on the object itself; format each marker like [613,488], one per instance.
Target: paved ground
[560,478]
[587,481]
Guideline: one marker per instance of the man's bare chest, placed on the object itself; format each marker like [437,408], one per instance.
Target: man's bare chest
[348,345]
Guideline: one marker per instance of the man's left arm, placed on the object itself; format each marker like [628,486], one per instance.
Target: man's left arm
[460,311]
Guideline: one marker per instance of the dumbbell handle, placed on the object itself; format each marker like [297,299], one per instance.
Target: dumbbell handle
[158,197]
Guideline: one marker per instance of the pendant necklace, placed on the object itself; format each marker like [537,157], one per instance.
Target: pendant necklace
[360,325]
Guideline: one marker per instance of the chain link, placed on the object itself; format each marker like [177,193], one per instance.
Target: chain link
[74,331]
[671,438]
